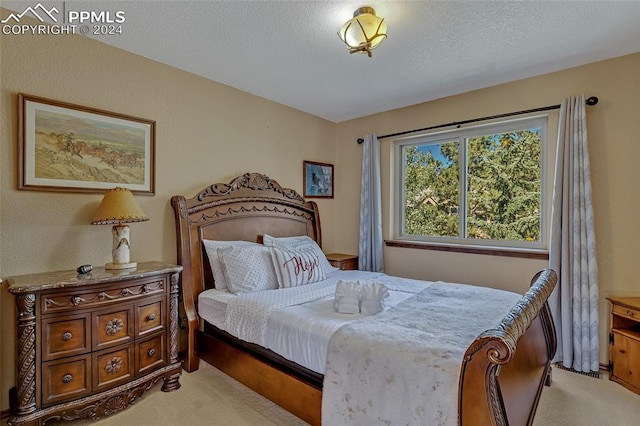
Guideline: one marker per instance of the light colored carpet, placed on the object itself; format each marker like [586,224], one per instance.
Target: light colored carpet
[209,397]
[577,400]
[206,397]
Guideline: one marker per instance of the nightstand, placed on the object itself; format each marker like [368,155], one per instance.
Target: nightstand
[343,261]
[89,345]
[624,342]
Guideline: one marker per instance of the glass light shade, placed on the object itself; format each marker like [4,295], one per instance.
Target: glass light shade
[364,32]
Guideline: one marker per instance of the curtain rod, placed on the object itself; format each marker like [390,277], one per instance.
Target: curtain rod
[593,100]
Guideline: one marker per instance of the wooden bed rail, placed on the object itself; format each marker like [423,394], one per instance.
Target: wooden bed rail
[492,367]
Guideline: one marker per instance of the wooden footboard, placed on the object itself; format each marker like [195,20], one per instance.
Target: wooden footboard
[504,370]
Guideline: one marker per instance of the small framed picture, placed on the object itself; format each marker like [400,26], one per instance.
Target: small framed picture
[73,148]
[317,179]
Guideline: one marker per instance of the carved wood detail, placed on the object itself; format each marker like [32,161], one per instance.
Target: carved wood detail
[88,299]
[264,209]
[255,181]
[516,322]
[26,353]
[174,290]
[499,416]
[113,326]
[114,365]
[180,205]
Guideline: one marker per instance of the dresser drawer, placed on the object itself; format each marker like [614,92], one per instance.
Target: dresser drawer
[151,354]
[113,327]
[112,367]
[150,317]
[627,312]
[65,379]
[66,336]
[101,297]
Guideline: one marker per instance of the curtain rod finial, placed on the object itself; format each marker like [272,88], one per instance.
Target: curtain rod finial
[360,141]
[592,100]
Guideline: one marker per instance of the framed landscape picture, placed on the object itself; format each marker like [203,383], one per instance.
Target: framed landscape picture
[317,179]
[71,148]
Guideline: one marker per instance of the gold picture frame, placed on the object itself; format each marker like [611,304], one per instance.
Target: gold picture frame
[71,148]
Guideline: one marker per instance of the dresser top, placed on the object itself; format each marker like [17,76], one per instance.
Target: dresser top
[61,279]
[629,302]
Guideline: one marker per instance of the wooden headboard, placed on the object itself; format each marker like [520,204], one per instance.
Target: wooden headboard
[246,208]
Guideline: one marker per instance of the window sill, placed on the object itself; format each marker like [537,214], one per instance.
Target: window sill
[488,251]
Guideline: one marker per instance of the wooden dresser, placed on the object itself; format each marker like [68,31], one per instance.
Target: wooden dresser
[90,345]
[624,342]
[343,261]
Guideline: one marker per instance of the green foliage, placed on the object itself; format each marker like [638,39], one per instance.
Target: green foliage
[503,188]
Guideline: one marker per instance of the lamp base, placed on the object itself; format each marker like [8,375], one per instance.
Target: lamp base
[112,265]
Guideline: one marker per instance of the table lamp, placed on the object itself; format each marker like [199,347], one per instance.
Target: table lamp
[118,207]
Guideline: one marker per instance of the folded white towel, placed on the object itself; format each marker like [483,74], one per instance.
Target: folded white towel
[347,305]
[373,295]
[348,297]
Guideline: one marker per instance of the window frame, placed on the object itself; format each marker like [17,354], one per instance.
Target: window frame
[461,134]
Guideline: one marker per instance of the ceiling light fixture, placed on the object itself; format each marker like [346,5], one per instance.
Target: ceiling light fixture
[364,32]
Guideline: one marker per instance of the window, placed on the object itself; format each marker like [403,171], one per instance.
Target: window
[481,186]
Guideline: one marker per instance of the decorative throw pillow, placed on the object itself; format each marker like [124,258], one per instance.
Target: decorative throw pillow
[301,242]
[296,267]
[248,268]
[211,247]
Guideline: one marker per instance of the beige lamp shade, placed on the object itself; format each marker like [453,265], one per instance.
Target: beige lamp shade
[118,206]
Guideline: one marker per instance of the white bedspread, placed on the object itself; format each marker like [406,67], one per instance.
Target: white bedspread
[247,314]
[301,333]
[401,367]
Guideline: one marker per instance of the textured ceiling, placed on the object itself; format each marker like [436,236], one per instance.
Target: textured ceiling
[289,52]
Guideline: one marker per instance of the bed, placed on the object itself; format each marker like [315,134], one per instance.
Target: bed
[501,373]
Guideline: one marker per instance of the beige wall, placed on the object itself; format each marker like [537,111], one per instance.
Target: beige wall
[209,132]
[614,148]
[206,133]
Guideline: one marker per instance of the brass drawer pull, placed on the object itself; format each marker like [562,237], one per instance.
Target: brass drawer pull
[66,336]
[630,313]
[67,378]
[151,317]
[152,352]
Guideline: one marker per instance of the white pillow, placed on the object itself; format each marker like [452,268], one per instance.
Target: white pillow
[248,268]
[296,267]
[211,247]
[301,242]
[287,243]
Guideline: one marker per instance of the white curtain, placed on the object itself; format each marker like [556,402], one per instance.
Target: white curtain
[370,243]
[572,252]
